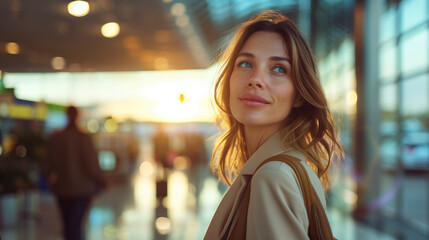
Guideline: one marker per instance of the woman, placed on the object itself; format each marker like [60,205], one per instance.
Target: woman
[270,102]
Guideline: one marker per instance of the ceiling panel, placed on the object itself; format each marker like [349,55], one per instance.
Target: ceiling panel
[154,34]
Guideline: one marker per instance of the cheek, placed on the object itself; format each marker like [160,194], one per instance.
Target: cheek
[233,87]
[234,91]
[286,97]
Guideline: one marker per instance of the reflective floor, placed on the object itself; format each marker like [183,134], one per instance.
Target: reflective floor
[129,210]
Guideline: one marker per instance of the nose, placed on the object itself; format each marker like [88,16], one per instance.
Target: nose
[256,80]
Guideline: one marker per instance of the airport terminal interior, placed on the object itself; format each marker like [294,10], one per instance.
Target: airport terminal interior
[141,74]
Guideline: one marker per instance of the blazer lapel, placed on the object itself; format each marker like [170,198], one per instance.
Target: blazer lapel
[271,147]
[226,209]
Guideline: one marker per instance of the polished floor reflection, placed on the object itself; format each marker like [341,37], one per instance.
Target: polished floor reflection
[129,210]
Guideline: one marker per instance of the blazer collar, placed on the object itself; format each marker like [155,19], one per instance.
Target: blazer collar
[271,147]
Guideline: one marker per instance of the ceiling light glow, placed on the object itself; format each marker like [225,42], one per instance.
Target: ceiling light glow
[161,63]
[12,48]
[110,30]
[58,63]
[78,8]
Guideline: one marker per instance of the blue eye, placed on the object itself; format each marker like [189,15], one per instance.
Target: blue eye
[279,70]
[245,65]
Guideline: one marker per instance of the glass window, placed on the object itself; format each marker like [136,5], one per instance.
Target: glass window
[388,195]
[387,24]
[414,51]
[413,13]
[415,115]
[388,126]
[348,48]
[415,193]
[415,102]
[415,149]
[388,103]
[389,152]
[387,62]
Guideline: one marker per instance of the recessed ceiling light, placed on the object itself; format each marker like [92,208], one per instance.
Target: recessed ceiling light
[12,48]
[78,8]
[110,30]
[58,63]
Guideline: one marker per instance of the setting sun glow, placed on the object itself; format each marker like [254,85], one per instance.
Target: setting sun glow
[159,96]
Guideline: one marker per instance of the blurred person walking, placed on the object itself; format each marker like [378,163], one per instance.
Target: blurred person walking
[71,167]
[195,150]
[161,150]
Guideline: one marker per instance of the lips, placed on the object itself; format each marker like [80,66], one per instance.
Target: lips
[253,100]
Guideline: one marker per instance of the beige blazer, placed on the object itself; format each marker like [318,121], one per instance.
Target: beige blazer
[276,207]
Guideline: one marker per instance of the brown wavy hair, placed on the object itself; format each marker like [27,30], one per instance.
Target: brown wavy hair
[309,128]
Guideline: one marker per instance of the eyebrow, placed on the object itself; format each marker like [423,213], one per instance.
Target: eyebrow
[274,58]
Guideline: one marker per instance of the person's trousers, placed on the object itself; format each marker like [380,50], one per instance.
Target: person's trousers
[73,211]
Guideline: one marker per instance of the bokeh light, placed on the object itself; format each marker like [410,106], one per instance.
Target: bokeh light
[181,163]
[163,225]
[110,30]
[111,125]
[178,9]
[58,63]
[12,48]
[146,169]
[351,97]
[93,126]
[78,8]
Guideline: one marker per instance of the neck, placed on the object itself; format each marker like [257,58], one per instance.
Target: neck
[256,136]
[72,125]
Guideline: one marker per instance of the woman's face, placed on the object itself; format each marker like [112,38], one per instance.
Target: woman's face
[262,91]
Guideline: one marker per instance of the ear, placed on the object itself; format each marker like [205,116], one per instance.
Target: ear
[299,101]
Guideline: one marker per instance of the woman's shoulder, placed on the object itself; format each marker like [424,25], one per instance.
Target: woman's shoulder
[281,176]
[276,173]
[275,166]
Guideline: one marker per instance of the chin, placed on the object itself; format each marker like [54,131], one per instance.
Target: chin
[251,121]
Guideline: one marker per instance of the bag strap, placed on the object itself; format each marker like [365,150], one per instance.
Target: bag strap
[319,227]
[237,228]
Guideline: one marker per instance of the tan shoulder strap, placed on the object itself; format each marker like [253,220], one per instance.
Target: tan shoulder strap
[300,172]
[319,227]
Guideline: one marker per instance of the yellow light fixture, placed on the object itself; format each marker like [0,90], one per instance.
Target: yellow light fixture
[110,30]
[181,97]
[78,8]
[12,48]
